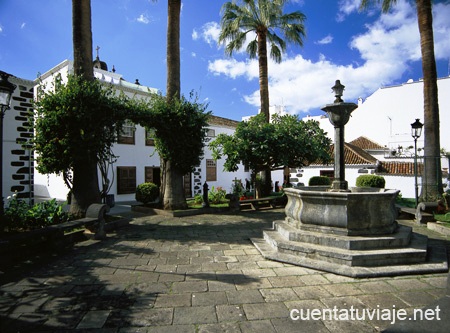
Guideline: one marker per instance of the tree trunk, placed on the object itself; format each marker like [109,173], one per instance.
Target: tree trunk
[432,177]
[266,174]
[174,197]
[82,38]
[173,191]
[173,49]
[85,190]
[263,75]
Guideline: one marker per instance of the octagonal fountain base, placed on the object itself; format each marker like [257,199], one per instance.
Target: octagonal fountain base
[351,234]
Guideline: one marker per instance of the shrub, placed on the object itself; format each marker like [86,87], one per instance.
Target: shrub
[20,215]
[216,196]
[198,199]
[147,192]
[319,180]
[370,181]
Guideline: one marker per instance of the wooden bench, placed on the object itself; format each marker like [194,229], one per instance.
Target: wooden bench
[255,204]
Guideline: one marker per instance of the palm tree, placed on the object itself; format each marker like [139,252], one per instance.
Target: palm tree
[432,178]
[85,189]
[172,189]
[266,19]
[82,38]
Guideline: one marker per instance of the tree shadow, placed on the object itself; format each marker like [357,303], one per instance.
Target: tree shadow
[54,291]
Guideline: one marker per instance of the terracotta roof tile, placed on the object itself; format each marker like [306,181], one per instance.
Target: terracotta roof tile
[353,155]
[399,168]
[365,143]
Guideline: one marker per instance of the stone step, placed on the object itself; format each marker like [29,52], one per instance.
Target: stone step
[401,238]
[436,263]
[416,253]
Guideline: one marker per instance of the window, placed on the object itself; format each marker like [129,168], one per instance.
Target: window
[150,137]
[126,136]
[126,180]
[210,133]
[211,171]
[327,173]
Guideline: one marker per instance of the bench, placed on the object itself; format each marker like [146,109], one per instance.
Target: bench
[423,213]
[255,204]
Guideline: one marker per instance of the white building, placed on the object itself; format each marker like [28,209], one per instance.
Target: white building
[385,119]
[17,159]
[137,160]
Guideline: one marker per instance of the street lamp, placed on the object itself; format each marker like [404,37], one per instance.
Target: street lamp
[416,131]
[6,90]
[338,90]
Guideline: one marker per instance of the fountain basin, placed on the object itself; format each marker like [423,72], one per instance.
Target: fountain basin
[342,213]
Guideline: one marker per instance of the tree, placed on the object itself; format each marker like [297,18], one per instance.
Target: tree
[180,132]
[286,141]
[432,178]
[266,19]
[77,123]
[85,189]
[172,190]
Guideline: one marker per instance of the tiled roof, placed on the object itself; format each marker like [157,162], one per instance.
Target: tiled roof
[399,168]
[353,155]
[365,143]
[215,120]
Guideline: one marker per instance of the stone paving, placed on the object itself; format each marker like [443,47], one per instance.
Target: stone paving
[202,274]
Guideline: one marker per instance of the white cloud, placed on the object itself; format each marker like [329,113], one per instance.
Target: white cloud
[441,29]
[143,18]
[346,7]
[387,48]
[233,68]
[209,32]
[326,40]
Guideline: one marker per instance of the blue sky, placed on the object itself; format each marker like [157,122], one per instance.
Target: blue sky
[364,50]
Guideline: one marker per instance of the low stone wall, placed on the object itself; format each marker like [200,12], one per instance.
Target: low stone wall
[54,238]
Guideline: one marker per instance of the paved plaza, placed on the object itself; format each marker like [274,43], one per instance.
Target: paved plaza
[202,274]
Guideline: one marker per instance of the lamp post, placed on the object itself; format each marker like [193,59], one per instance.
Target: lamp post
[416,131]
[339,114]
[6,90]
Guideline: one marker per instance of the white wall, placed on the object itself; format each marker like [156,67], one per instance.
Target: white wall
[138,155]
[17,161]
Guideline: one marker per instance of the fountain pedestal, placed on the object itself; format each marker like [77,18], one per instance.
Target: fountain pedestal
[347,233]
[351,234]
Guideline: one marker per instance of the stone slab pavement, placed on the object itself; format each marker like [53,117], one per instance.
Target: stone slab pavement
[202,274]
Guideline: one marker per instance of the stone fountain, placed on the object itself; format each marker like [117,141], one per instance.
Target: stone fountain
[348,233]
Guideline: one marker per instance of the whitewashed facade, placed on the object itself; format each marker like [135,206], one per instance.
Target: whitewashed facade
[385,117]
[137,160]
[17,159]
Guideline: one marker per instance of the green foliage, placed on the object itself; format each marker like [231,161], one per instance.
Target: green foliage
[216,195]
[319,180]
[237,189]
[370,181]
[240,18]
[75,122]
[286,141]
[19,215]
[180,129]
[147,192]
[198,199]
